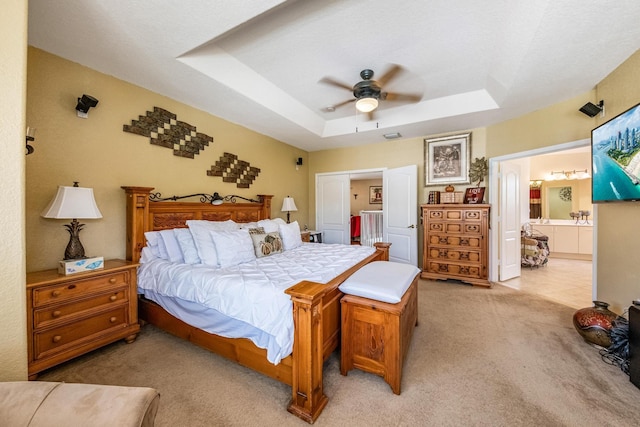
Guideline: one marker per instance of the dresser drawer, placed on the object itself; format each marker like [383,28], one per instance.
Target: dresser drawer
[455,227]
[471,271]
[464,214]
[45,316]
[452,240]
[449,254]
[51,341]
[77,288]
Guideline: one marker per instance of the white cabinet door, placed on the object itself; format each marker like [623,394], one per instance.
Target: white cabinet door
[585,237]
[566,239]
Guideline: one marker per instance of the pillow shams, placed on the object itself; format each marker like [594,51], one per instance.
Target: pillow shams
[265,244]
[187,245]
[171,246]
[290,233]
[233,247]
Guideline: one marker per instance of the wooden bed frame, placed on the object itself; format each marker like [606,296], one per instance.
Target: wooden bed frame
[316,307]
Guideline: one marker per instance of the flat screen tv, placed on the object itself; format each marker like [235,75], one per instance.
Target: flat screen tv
[615,158]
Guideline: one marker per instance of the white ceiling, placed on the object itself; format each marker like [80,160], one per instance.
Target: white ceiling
[258,62]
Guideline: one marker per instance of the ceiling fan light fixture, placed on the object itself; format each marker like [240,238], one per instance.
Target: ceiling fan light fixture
[366,105]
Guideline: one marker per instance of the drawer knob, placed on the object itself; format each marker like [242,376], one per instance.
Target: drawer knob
[56,313]
[55,293]
[113,297]
[113,319]
[112,280]
[56,338]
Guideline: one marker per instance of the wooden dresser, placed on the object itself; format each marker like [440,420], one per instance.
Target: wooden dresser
[70,315]
[456,242]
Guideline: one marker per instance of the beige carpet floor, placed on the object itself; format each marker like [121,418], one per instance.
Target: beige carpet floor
[479,357]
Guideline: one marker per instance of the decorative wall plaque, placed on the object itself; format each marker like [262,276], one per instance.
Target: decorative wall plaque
[231,169]
[163,129]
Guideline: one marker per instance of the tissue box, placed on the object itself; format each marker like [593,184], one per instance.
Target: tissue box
[73,266]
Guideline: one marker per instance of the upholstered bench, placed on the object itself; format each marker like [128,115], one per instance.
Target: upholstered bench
[379,312]
[40,404]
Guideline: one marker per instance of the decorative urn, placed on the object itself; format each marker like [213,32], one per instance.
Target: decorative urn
[594,323]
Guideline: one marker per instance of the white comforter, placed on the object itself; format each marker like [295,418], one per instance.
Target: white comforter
[253,292]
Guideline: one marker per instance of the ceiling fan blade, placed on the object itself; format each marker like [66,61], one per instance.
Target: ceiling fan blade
[410,97]
[389,74]
[333,107]
[332,82]
[371,115]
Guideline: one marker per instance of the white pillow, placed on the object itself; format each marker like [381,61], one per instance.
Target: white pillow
[290,233]
[243,225]
[227,225]
[384,281]
[187,245]
[269,225]
[152,242]
[279,221]
[204,244]
[233,247]
[171,245]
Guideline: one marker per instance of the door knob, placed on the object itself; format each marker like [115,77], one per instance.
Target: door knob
[412,226]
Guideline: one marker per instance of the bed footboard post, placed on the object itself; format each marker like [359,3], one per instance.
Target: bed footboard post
[384,247]
[137,219]
[307,394]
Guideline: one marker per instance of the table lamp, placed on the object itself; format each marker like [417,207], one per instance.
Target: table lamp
[73,203]
[288,205]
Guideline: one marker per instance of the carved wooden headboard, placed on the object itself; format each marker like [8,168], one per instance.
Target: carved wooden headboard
[144,215]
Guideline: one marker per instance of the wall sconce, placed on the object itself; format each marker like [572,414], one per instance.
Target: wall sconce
[288,205]
[31,136]
[84,103]
[73,203]
[574,174]
[592,110]
[298,163]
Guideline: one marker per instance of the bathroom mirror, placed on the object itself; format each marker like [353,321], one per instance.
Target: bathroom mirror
[560,198]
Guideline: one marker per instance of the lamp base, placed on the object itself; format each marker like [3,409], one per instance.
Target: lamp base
[74,249]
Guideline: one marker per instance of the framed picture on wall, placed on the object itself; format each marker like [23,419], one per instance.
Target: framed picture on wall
[375,195]
[447,159]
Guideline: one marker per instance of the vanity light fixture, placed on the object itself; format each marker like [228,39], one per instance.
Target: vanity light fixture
[573,174]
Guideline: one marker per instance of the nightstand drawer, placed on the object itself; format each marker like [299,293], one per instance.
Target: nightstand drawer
[78,288]
[57,339]
[51,314]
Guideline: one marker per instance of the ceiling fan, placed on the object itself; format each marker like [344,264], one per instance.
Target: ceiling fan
[367,93]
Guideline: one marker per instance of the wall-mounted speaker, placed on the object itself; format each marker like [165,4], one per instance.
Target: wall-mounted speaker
[591,109]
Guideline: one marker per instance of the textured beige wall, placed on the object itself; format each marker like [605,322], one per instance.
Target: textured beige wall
[13,78]
[556,124]
[97,153]
[361,188]
[618,232]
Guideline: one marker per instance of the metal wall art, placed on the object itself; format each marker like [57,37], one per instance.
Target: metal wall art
[163,129]
[231,169]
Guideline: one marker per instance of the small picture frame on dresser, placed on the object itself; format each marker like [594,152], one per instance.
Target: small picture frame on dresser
[474,195]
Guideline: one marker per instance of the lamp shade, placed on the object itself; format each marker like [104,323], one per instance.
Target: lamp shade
[366,105]
[288,205]
[72,203]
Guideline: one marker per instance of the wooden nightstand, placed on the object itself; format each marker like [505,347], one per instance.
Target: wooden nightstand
[71,315]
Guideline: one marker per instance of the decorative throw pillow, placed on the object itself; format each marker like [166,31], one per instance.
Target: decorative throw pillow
[256,230]
[290,233]
[266,244]
[233,247]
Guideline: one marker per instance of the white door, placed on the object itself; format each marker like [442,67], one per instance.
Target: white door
[332,208]
[509,221]
[400,213]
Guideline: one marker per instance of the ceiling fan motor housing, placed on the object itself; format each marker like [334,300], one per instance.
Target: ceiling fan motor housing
[367,88]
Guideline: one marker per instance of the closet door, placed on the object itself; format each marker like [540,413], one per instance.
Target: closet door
[332,208]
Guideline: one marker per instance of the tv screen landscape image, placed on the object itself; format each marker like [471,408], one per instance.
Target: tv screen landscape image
[615,158]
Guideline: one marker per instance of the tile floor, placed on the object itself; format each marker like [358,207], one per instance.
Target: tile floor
[565,281]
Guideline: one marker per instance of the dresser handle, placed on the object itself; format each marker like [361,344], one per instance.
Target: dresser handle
[57,338]
[113,319]
[112,280]
[113,297]
[55,294]
[56,313]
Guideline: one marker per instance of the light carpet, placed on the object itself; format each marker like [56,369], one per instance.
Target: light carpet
[479,357]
